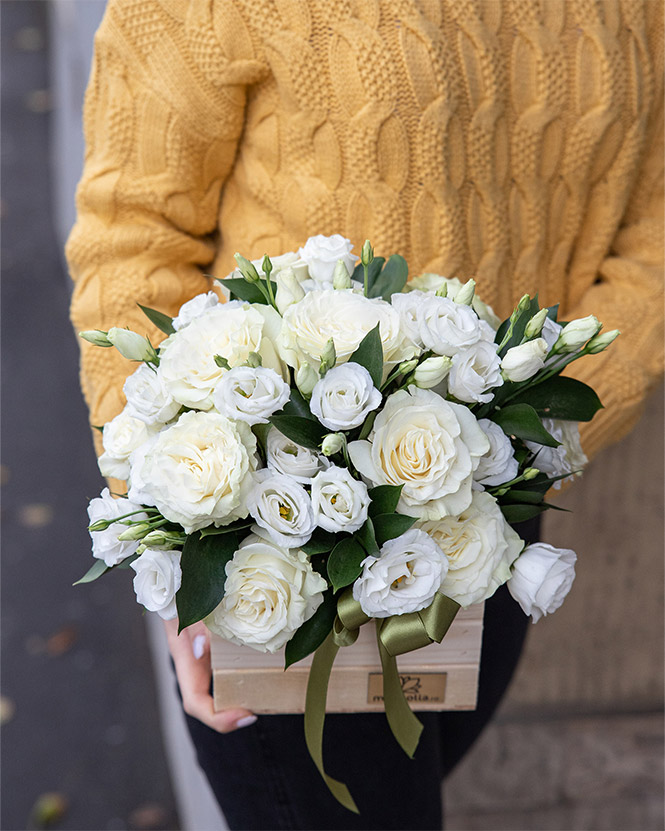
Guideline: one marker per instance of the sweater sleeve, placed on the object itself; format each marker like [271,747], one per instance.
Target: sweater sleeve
[163,114]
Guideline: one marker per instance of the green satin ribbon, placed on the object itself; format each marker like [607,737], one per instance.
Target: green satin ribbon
[395,635]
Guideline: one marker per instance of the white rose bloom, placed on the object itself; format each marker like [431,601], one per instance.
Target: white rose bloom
[158,578]
[541,578]
[147,397]
[321,254]
[340,502]
[344,397]
[120,438]
[499,464]
[446,326]
[475,372]
[287,457]
[270,592]
[250,394]
[198,470]
[281,508]
[232,330]
[346,317]
[404,577]
[105,544]
[567,457]
[433,282]
[407,304]
[524,361]
[480,547]
[194,308]
[430,446]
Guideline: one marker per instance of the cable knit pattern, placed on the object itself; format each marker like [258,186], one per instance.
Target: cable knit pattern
[516,141]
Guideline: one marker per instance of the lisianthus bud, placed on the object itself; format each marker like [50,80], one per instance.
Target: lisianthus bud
[341,277]
[96,337]
[530,473]
[221,361]
[247,269]
[266,265]
[254,360]
[525,302]
[131,345]
[442,291]
[163,539]
[332,443]
[306,379]
[408,366]
[328,357]
[601,341]
[465,295]
[523,361]
[367,253]
[135,532]
[535,326]
[576,333]
[432,371]
[289,290]
[99,525]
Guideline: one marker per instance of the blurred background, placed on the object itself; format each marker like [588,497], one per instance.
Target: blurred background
[91,737]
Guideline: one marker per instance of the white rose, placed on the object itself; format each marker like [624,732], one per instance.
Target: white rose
[446,326]
[340,502]
[428,445]
[158,578]
[187,365]
[499,464]
[475,371]
[194,308]
[541,578]
[346,317]
[147,397]
[250,394]
[321,254]
[564,459]
[344,397]
[105,544]
[198,470]
[404,577]
[524,361]
[285,456]
[281,508]
[270,592]
[120,438]
[480,547]
[433,282]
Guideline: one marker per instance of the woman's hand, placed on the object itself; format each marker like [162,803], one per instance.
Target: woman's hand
[191,655]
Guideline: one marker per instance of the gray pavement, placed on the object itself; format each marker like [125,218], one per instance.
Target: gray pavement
[79,707]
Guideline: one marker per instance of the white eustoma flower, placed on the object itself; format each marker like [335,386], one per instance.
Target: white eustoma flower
[524,361]
[194,308]
[287,457]
[428,445]
[340,502]
[407,305]
[197,471]
[250,394]
[499,464]
[344,397]
[480,547]
[282,509]
[270,592]
[147,397]
[404,577]
[321,254]
[433,282]
[446,326]
[564,459]
[541,578]
[475,372]
[105,544]
[120,438]
[158,578]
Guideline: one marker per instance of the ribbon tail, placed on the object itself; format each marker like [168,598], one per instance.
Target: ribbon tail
[315,713]
[405,726]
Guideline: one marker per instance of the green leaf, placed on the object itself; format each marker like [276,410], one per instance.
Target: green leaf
[522,420]
[392,279]
[561,397]
[261,432]
[312,633]
[384,499]
[530,497]
[367,426]
[389,526]
[344,562]
[203,565]
[212,531]
[297,405]
[126,563]
[553,311]
[519,327]
[160,320]
[249,292]
[367,538]
[96,570]
[370,355]
[303,431]
[321,542]
[520,513]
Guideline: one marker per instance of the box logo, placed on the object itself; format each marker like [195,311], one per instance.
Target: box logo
[418,688]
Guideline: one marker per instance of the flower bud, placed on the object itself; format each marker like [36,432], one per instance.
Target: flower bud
[465,295]
[367,253]
[524,361]
[332,443]
[576,333]
[254,360]
[525,302]
[535,326]
[306,379]
[266,265]
[99,525]
[341,277]
[132,345]
[530,473]
[328,357]
[432,371]
[442,291]
[96,337]
[163,539]
[289,290]
[408,366]
[135,532]
[601,341]
[221,361]
[247,269]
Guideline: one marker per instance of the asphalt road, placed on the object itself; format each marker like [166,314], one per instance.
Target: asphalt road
[78,700]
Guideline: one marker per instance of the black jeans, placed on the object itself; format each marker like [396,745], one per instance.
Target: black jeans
[263,777]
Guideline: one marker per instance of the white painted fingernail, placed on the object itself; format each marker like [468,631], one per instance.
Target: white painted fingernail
[198,646]
[246,721]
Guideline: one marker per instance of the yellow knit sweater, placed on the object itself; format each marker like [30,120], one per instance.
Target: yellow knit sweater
[516,141]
